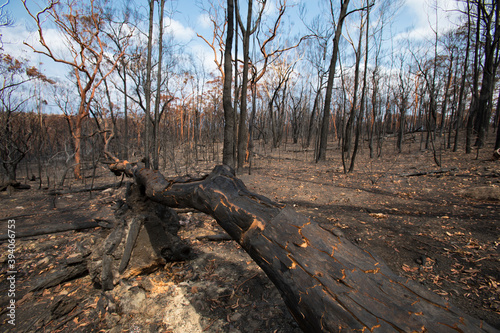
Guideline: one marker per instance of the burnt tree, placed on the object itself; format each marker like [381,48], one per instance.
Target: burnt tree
[328,283]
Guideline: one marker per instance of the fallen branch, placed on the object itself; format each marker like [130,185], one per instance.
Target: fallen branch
[215,238]
[328,283]
[52,229]
[80,190]
[14,185]
[424,173]
[66,274]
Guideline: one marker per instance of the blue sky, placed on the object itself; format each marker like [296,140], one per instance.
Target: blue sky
[414,21]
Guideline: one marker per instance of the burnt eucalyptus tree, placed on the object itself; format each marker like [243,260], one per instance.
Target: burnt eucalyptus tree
[321,155]
[228,157]
[82,27]
[247,30]
[488,13]
[461,101]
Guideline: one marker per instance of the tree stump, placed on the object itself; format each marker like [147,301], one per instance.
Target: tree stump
[143,239]
[328,283]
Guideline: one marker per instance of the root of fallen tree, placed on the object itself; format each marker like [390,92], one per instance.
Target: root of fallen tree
[328,283]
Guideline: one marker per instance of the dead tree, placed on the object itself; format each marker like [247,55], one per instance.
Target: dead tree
[81,26]
[328,283]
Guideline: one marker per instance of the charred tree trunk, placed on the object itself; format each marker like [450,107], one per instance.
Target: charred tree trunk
[328,283]
[325,125]
[228,155]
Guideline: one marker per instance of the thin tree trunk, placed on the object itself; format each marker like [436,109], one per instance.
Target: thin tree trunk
[242,128]
[156,148]
[77,139]
[321,155]
[349,128]
[461,106]
[125,110]
[475,86]
[147,90]
[313,113]
[359,123]
[228,149]
[446,97]
[236,87]
[497,141]
[251,125]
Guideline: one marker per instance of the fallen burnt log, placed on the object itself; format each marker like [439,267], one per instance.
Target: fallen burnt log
[328,283]
[13,185]
[52,229]
[80,190]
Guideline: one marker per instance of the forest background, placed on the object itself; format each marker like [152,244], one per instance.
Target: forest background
[79,76]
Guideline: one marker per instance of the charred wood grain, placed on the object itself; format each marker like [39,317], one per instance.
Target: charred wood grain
[64,274]
[135,227]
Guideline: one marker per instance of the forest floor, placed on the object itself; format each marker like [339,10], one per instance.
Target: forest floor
[436,225]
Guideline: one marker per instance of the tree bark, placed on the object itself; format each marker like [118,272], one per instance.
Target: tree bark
[497,141]
[77,171]
[156,127]
[461,104]
[147,88]
[483,105]
[328,283]
[229,116]
[242,127]
[321,156]
[363,93]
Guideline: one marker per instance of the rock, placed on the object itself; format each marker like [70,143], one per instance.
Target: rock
[134,301]
[112,319]
[482,193]
[235,316]
[116,329]
[180,316]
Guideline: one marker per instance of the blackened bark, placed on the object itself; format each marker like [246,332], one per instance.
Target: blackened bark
[321,156]
[461,103]
[229,117]
[242,128]
[497,141]
[483,105]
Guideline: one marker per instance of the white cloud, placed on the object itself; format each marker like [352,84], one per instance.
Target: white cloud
[206,55]
[428,16]
[204,21]
[270,10]
[178,30]
[13,39]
